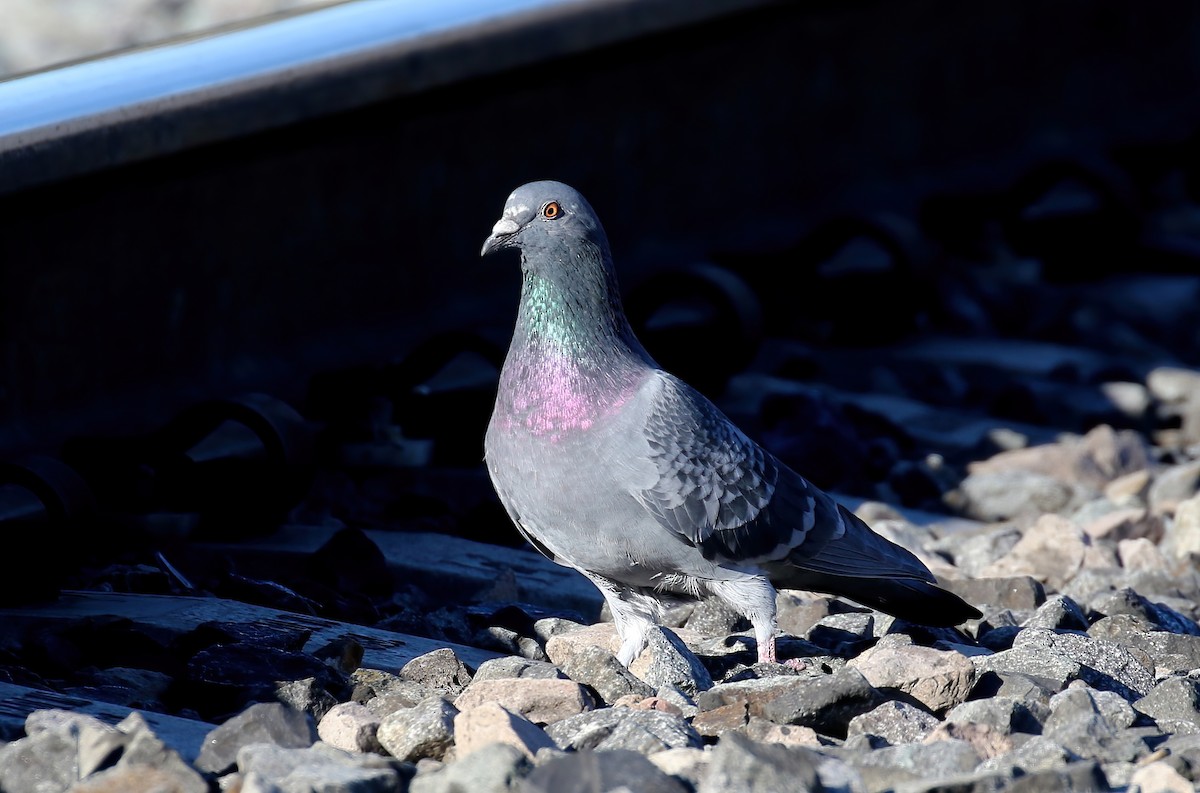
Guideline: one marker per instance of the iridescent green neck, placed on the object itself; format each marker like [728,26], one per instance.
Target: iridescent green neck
[586,326]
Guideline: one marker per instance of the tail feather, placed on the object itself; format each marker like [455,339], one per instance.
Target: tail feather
[909,599]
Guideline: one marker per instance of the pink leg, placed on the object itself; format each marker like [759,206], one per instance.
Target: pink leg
[767,655]
[766,651]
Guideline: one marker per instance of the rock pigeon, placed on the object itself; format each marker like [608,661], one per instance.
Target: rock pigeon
[622,471]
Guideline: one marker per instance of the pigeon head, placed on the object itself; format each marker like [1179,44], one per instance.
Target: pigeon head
[570,301]
[550,223]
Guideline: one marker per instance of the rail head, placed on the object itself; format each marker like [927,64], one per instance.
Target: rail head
[65,122]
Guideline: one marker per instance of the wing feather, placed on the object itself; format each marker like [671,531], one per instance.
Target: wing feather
[715,487]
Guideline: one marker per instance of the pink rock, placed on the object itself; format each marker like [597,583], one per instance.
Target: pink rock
[492,723]
[938,679]
[542,701]
[352,727]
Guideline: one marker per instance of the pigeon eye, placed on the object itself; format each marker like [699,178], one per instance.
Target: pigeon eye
[551,210]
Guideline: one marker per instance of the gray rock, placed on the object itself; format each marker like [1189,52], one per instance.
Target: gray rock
[1093,509]
[711,617]
[1126,523]
[383,692]
[1058,612]
[1010,592]
[827,703]
[673,664]
[884,768]
[1080,702]
[1182,538]
[737,763]
[1142,554]
[1052,550]
[1129,489]
[308,695]
[1004,714]
[1174,485]
[973,552]
[1159,776]
[497,768]
[1119,772]
[1169,653]
[513,666]
[598,669]
[797,613]
[1179,589]
[1077,776]
[546,627]
[995,496]
[844,634]
[506,640]
[764,731]
[1032,692]
[1035,753]
[589,771]
[99,744]
[998,629]
[319,767]
[1160,615]
[835,774]
[1089,462]
[138,779]
[1051,671]
[642,731]
[1173,699]
[1091,725]
[1128,629]
[145,749]
[1184,746]
[424,730]
[684,703]
[366,682]
[264,722]
[894,722]
[47,762]
[1102,664]
[134,688]
[38,761]
[686,764]
[1172,385]
[1093,738]
[440,670]
[1092,583]
[975,782]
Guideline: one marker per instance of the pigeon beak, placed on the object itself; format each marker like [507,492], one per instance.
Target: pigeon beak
[501,237]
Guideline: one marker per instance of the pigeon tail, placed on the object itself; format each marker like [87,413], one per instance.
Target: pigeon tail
[909,599]
[871,569]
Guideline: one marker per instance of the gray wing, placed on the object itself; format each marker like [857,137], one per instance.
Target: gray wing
[720,490]
[737,503]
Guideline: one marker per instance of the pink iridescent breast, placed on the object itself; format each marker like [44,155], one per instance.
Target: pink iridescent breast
[558,397]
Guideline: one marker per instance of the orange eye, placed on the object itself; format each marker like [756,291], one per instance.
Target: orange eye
[551,210]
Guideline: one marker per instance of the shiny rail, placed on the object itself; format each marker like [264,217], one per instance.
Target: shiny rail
[134,105]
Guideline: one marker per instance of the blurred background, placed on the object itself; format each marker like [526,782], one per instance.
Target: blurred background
[888,237]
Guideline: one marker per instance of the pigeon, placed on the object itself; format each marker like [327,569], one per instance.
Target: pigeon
[612,466]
